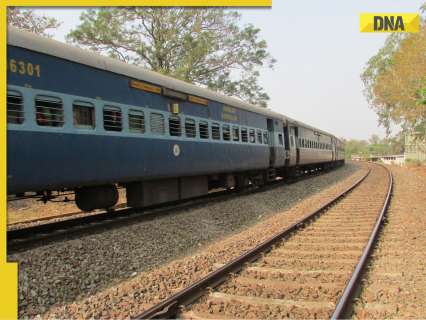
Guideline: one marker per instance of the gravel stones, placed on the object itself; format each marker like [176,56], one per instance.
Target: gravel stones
[395,284]
[116,273]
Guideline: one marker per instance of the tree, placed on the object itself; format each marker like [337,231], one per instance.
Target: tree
[395,80]
[356,147]
[207,47]
[27,20]
[375,146]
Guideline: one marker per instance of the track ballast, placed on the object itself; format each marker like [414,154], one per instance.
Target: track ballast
[309,270]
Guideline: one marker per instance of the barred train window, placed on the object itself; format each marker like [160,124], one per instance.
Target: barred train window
[157,123]
[49,111]
[280,139]
[226,132]
[252,136]
[235,133]
[83,114]
[190,128]
[174,126]
[204,129]
[265,137]
[215,131]
[259,136]
[112,118]
[136,121]
[244,137]
[15,107]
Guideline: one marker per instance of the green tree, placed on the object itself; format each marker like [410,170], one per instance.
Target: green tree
[28,20]
[395,80]
[207,47]
[356,147]
[375,146]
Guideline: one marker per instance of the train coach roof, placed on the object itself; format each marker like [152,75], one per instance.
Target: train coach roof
[58,49]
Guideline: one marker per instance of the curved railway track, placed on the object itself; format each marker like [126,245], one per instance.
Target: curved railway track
[309,270]
[50,230]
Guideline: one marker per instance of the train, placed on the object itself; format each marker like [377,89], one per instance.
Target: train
[87,124]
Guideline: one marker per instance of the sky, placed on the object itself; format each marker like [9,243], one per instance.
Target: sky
[320,55]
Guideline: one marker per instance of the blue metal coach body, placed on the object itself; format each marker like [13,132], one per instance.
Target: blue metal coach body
[77,119]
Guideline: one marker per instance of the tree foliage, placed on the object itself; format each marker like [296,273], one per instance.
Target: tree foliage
[28,20]
[395,81]
[207,47]
[375,146]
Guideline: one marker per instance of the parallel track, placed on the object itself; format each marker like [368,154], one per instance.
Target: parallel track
[309,270]
[26,238]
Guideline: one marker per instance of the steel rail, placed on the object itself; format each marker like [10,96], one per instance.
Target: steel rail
[348,293]
[170,306]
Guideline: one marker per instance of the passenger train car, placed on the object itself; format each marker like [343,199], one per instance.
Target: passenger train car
[81,122]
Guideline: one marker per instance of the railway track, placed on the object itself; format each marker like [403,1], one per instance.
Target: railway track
[51,230]
[309,270]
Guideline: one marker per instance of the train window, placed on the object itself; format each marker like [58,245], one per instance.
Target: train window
[49,111]
[83,115]
[136,121]
[157,123]
[174,126]
[280,139]
[265,137]
[215,131]
[226,132]
[259,136]
[235,133]
[190,128]
[15,107]
[252,136]
[204,129]
[292,141]
[112,118]
[244,136]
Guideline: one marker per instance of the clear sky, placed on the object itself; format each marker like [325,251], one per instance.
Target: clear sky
[320,55]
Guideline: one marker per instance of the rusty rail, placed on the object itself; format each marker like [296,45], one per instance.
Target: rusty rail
[348,293]
[170,306]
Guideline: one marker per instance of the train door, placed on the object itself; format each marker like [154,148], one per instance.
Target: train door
[287,145]
[333,149]
[293,148]
[272,153]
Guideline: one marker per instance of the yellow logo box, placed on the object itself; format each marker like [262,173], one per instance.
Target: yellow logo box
[389,22]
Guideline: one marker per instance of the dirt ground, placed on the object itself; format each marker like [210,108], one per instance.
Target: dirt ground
[395,284]
[27,210]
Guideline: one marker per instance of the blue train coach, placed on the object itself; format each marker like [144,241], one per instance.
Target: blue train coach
[81,122]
